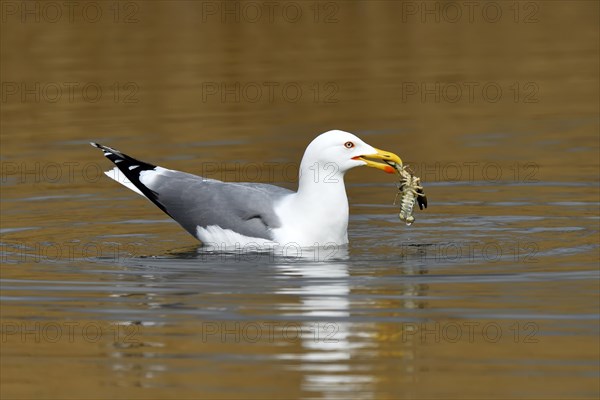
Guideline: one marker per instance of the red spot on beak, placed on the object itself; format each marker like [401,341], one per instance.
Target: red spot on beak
[389,169]
[356,158]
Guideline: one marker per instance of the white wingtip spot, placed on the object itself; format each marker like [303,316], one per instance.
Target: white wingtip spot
[133,167]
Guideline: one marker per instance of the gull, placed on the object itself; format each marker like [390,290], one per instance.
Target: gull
[233,214]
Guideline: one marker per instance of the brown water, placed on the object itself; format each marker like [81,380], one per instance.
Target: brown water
[492,292]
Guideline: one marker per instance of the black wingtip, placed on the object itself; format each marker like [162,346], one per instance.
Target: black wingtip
[97,145]
[108,150]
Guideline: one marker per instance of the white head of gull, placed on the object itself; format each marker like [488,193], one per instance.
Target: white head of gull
[317,214]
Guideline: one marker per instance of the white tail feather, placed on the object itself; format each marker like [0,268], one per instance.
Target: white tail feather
[120,177]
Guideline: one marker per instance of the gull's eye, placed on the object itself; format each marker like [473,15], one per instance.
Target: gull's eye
[349,145]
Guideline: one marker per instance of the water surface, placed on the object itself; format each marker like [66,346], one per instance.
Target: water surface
[492,292]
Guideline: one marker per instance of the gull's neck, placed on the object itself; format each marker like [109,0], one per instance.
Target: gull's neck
[321,180]
[318,213]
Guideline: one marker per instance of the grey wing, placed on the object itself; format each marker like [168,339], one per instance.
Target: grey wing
[192,201]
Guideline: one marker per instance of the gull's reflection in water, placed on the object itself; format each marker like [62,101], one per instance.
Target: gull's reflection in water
[328,345]
[341,345]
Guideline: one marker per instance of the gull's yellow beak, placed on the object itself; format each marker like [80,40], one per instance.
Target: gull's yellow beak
[381,155]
